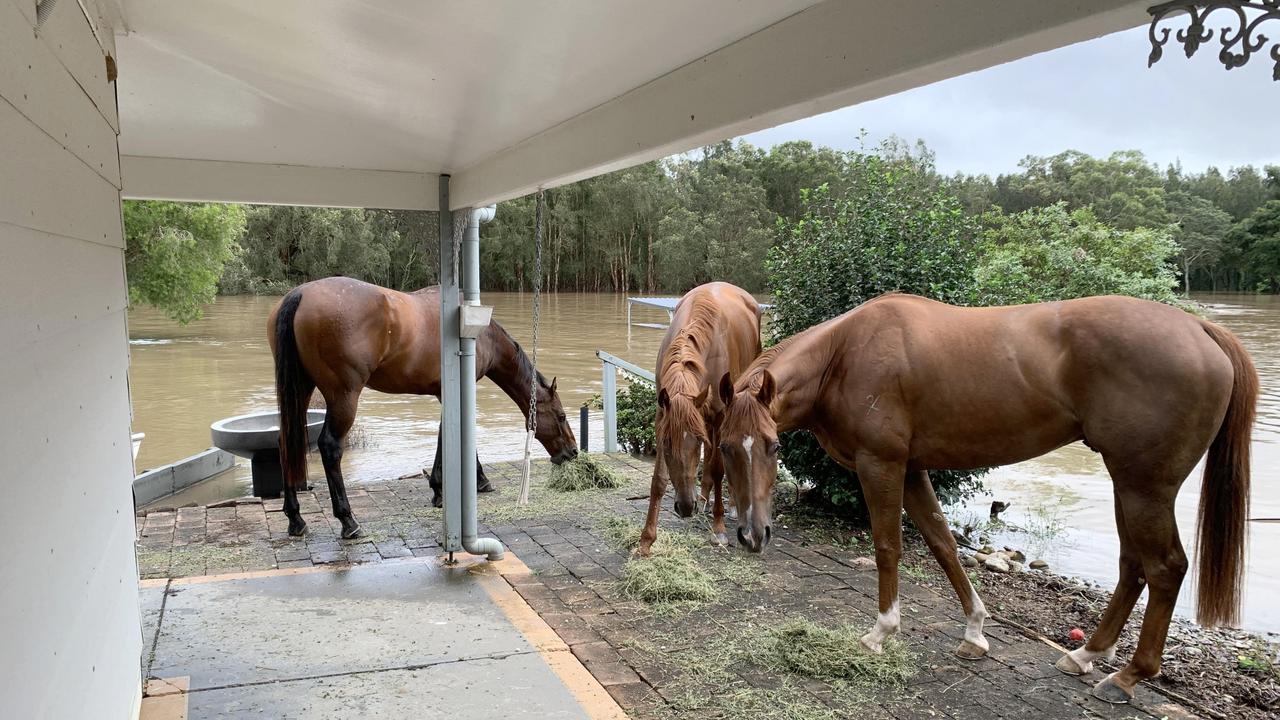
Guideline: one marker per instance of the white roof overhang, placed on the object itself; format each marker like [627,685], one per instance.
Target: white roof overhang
[334,102]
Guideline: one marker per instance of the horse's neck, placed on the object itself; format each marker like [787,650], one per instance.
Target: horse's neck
[798,375]
[509,369]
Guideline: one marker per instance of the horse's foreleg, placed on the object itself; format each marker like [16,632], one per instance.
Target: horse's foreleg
[925,511]
[340,415]
[482,478]
[657,488]
[882,489]
[1102,643]
[715,470]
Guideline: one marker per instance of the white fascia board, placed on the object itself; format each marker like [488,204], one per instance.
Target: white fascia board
[831,55]
[152,178]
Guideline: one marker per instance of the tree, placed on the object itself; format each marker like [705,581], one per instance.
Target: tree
[1258,237]
[1055,254]
[175,252]
[1124,190]
[1200,229]
[895,229]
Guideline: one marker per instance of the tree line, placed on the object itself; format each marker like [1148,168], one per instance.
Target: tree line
[665,226]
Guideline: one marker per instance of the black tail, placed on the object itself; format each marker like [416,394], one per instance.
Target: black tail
[293,392]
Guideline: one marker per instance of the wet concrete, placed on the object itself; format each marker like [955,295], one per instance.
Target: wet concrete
[375,641]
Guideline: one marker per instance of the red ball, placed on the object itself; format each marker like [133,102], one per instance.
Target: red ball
[1076,635]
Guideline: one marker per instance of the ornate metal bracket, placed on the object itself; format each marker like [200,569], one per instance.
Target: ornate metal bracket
[1239,43]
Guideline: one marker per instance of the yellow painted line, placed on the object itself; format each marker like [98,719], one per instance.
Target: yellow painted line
[590,694]
[165,699]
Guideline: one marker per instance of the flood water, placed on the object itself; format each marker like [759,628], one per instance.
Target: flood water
[183,379]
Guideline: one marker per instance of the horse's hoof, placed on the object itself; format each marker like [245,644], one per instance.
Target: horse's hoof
[1067,665]
[298,529]
[1110,691]
[351,532]
[720,540]
[487,487]
[643,551]
[970,651]
[871,645]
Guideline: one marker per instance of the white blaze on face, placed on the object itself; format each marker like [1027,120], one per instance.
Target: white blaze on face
[747,442]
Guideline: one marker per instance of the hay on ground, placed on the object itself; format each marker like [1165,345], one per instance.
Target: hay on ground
[805,648]
[670,577]
[584,472]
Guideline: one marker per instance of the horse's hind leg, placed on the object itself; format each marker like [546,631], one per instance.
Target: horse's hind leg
[1148,508]
[1102,643]
[925,511]
[882,487]
[340,415]
[437,499]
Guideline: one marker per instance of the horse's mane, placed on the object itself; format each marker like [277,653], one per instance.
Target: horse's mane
[682,372]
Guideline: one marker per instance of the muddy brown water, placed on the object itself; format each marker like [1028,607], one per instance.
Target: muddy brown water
[184,378]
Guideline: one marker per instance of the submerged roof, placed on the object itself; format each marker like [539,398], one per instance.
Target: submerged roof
[295,100]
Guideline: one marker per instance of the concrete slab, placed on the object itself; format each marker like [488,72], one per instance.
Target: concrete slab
[388,640]
[519,686]
[150,602]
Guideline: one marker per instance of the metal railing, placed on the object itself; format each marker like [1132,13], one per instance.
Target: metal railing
[609,394]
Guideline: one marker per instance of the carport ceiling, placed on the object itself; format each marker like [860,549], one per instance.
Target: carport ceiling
[288,99]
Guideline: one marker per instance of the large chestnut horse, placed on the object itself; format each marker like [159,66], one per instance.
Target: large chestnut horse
[715,329]
[903,385]
[340,335]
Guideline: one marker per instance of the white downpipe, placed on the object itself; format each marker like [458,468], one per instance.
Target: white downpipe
[488,547]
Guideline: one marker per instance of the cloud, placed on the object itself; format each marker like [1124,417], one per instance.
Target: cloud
[1097,97]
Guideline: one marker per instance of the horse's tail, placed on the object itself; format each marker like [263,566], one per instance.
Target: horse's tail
[293,390]
[1224,495]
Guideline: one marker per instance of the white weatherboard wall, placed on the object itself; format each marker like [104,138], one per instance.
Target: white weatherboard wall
[68,579]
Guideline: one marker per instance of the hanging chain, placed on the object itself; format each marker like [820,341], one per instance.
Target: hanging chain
[537,307]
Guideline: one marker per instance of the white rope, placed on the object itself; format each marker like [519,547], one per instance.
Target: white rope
[533,390]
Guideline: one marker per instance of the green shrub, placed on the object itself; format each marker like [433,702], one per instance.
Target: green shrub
[895,228]
[637,406]
[1051,253]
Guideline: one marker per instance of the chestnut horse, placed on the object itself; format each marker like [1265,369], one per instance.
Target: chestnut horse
[715,329]
[902,385]
[340,335]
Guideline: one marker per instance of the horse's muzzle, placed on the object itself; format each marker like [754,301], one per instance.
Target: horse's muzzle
[754,541]
[564,456]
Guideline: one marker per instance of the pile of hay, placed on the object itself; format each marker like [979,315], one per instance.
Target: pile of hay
[584,472]
[670,577]
[805,648]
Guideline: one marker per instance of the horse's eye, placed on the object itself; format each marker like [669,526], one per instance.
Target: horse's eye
[724,447]
[772,447]
[560,417]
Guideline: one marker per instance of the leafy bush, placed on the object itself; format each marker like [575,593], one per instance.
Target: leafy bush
[1051,253]
[637,406]
[895,228]
[174,253]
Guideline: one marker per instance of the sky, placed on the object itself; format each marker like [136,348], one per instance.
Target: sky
[1097,97]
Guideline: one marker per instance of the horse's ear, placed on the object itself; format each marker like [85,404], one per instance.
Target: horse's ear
[553,383]
[767,389]
[702,396]
[726,389]
[664,400]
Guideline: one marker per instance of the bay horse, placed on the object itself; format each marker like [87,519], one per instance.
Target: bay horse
[902,385]
[339,335]
[715,329]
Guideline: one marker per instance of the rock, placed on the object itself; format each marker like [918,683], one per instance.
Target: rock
[1015,555]
[1191,650]
[865,564]
[1038,565]
[995,563]
[986,549]
[1015,566]
[968,561]
[981,557]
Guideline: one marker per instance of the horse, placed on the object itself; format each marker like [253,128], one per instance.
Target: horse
[339,335]
[715,329]
[903,385]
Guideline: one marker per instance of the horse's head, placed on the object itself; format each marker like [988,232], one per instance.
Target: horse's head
[553,429]
[749,449]
[681,433]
